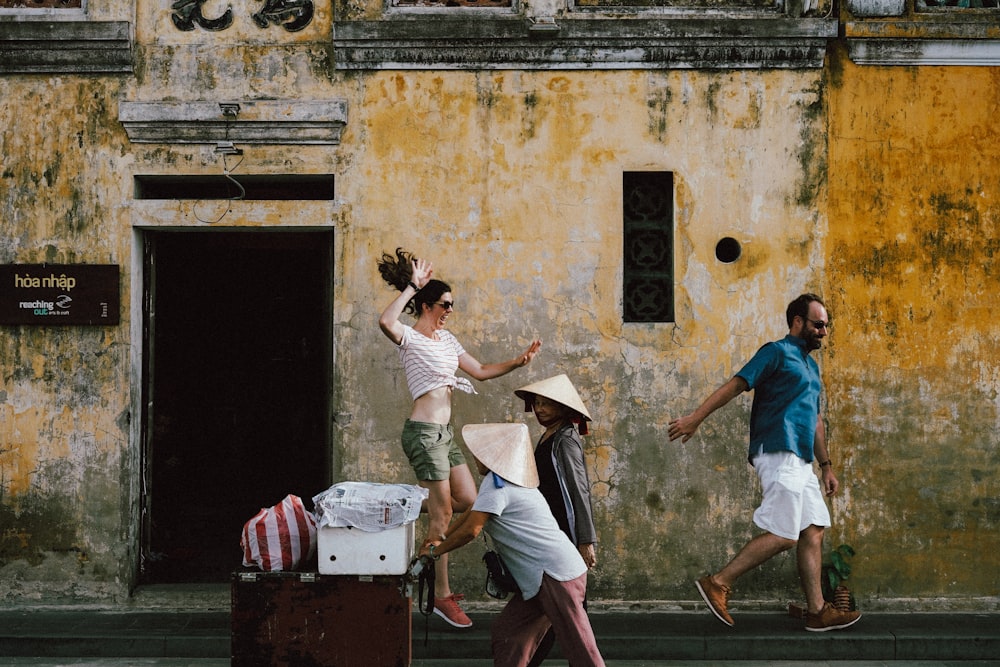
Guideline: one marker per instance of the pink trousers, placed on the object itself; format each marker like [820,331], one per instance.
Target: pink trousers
[521,625]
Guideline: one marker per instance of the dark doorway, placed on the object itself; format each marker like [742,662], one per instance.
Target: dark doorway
[237,368]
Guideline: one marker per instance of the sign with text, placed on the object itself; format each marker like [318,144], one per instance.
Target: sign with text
[59,293]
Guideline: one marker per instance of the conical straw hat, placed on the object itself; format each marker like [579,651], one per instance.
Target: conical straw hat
[558,389]
[505,449]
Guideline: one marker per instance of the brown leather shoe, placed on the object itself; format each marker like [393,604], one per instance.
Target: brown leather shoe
[716,596]
[831,618]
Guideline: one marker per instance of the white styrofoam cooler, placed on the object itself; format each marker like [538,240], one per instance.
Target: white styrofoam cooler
[353,551]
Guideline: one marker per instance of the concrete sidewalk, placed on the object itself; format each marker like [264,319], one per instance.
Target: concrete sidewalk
[224,662]
[626,638]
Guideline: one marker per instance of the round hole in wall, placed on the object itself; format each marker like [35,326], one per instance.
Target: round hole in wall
[728,250]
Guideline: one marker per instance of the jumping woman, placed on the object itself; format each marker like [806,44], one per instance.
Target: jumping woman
[431,355]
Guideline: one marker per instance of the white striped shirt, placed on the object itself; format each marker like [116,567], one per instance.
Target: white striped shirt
[430,364]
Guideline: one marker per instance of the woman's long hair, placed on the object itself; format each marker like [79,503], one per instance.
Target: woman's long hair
[397,270]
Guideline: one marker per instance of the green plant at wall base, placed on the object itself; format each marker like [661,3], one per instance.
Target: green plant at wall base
[835,571]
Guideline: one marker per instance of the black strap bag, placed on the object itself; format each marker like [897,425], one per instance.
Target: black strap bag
[499,581]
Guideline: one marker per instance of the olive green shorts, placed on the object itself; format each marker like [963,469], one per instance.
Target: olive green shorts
[432,450]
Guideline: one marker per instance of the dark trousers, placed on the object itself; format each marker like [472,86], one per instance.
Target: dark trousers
[521,626]
[545,646]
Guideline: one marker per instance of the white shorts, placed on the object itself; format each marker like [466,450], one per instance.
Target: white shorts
[793,499]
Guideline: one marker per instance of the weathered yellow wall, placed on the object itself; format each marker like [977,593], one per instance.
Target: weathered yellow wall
[64,396]
[511,183]
[913,372]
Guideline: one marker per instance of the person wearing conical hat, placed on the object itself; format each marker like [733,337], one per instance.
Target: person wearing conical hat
[549,571]
[561,390]
[431,355]
[562,471]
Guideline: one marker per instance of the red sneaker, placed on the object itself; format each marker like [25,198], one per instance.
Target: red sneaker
[448,609]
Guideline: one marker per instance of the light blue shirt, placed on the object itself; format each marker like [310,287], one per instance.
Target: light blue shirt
[526,535]
[787,387]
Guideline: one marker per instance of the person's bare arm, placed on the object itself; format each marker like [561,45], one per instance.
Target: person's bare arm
[822,454]
[471,365]
[684,427]
[464,530]
[388,321]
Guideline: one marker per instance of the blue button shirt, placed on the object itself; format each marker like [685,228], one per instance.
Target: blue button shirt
[787,387]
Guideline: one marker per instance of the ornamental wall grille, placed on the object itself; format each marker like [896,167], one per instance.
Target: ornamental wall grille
[648,215]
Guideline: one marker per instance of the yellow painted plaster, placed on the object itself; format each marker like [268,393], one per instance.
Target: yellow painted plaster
[912,272]
[874,187]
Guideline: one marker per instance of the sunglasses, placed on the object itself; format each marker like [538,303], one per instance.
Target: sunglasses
[820,324]
[447,305]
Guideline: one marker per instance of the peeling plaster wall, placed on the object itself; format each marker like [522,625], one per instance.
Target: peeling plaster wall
[511,182]
[69,455]
[64,396]
[912,377]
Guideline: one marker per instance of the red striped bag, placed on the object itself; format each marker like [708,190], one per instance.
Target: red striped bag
[279,538]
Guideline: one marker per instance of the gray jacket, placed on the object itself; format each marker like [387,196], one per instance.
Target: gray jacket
[574,484]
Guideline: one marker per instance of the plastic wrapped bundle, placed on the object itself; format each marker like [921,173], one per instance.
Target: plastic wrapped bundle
[369,506]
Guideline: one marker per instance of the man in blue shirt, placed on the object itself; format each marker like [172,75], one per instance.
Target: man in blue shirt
[786,434]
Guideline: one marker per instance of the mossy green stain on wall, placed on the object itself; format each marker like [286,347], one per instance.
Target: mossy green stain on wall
[913,385]
[874,190]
